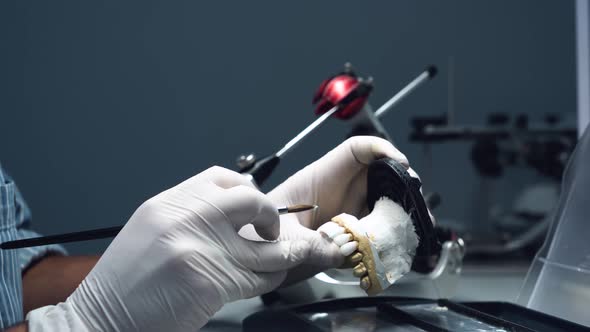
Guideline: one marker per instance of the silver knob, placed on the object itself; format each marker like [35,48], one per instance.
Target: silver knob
[245,161]
[348,67]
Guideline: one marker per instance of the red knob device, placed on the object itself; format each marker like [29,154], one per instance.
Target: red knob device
[336,89]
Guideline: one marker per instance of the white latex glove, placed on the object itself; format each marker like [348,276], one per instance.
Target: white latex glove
[337,184]
[178,260]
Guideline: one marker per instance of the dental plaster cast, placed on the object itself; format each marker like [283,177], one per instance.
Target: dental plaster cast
[380,247]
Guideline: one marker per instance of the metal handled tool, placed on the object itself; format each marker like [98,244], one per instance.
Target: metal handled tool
[260,170]
[343,95]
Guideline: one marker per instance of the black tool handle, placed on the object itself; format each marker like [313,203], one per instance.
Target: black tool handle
[262,169]
[94,234]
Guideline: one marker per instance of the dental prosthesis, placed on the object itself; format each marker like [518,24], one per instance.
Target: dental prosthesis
[398,234]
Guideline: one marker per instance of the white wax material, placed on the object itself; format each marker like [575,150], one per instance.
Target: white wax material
[391,232]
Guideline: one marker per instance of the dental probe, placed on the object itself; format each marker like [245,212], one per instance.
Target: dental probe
[102,233]
[296,208]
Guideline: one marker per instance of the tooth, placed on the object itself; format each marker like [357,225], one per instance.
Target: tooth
[359,270]
[327,227]
[342,239]
[336,231]
[356,257]
[365,283]
[324,228]
[331,229]
[339,231]
[348,248]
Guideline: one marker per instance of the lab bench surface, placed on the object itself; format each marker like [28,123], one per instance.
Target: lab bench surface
[478,282]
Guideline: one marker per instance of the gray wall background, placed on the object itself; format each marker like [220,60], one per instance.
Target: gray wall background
[104,104]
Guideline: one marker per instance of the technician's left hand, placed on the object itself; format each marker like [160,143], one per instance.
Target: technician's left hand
[337,184]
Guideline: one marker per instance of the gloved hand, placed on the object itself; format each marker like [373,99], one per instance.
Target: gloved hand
[178,260]
[337,183]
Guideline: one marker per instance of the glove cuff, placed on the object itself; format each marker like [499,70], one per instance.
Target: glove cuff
[55,318]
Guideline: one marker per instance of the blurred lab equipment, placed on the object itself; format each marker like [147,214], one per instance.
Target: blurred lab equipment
[543,148]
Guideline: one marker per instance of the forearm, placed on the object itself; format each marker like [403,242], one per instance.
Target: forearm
[22,327]
[53,279]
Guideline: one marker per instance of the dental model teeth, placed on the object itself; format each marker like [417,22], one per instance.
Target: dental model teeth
[380,247]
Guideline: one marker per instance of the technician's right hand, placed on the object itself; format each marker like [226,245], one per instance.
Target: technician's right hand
[178,260]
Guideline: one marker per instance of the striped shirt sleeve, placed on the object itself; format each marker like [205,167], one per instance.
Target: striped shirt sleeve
[11,306]
[15,220]
[22,215]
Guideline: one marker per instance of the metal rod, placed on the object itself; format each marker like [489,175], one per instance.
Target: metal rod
[295,140]
[415,83]
[451,92]
[93,234]
[102,233]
